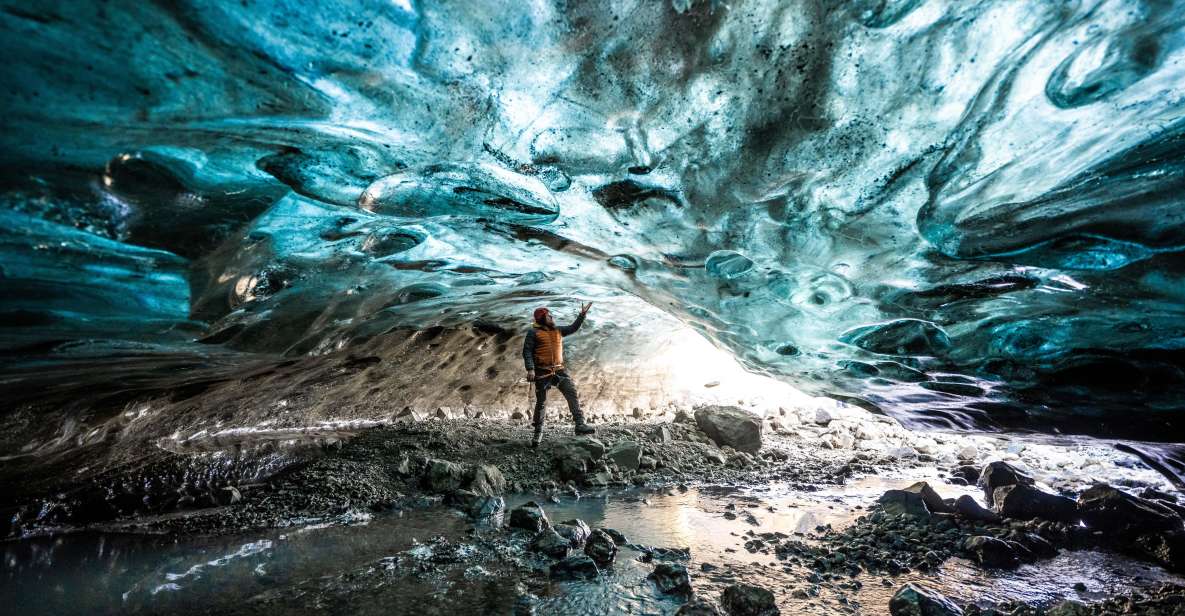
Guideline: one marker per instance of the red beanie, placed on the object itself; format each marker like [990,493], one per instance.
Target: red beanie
[540,313]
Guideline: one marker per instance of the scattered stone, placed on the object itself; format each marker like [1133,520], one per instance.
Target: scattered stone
[575,531]
[404,467]
[933,501]
[578,567]
[698,607]
[902,502]
[627,455]
[476,505]
[227,495]
[1025,502]
[601,547]
[747,600]
[992,552]
[529,516]
[972,510]
[617,536]
[487,480]
[1120,514]
[968,473]
[647,463]
[442,476]
[550,543]
[574,457]
[671,578]
[731,426]
[823,417]
[918,600]
[998,475]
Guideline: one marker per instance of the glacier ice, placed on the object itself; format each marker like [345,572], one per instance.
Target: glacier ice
[965,214]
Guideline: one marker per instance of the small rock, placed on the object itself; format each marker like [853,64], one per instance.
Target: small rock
[476,505]
[991,552]
[970,509]
[671,578]
[442,476]
[917,600]
[529,516]
[601,547]
[747,600]
[1025,502]
[578,567]
[575,531]
[404,467]
[969,473]
[998,475]
[575,457]
[617,536]
[698,607]
[731,426]
[228,495]
[1120,514]
[487,480]
[901,502]
[933,501]
[823,417]
[627,455]
[551,543]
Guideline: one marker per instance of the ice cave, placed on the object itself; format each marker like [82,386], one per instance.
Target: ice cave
[869,307]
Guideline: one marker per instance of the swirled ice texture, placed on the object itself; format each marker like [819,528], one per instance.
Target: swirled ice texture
[968,214]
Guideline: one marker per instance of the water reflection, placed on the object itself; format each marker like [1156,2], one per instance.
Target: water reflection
[348,565]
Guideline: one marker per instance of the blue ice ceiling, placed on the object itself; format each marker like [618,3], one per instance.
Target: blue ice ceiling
[964,213]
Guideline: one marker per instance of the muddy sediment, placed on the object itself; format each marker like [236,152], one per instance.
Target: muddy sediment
[745,520]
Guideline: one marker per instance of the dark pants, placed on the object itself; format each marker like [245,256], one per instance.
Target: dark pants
[564,383]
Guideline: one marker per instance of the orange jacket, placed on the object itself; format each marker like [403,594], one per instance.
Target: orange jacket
[544,346]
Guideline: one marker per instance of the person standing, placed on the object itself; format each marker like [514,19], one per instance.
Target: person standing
[543,354]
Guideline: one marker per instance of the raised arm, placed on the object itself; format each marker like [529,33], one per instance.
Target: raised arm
[571,329]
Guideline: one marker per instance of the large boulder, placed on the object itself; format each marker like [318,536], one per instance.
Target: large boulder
[968,508]
[529,516]
[627,455]
[1025,502]
[578,567]
[601,547]
[917,600]
[1120,514]
[731,426]
[748,600]
[992,552]
[998,475]
[442,476]
[671,578]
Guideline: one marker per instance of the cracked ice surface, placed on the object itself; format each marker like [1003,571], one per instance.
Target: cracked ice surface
[966,214]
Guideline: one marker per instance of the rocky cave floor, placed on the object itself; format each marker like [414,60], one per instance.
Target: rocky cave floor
[477,513]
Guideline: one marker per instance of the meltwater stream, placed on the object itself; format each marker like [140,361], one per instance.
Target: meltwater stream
[346,566]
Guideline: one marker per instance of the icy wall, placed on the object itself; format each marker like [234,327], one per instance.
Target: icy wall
[968,214]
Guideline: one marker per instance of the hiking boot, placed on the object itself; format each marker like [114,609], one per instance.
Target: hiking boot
[536,439]
[583,428]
